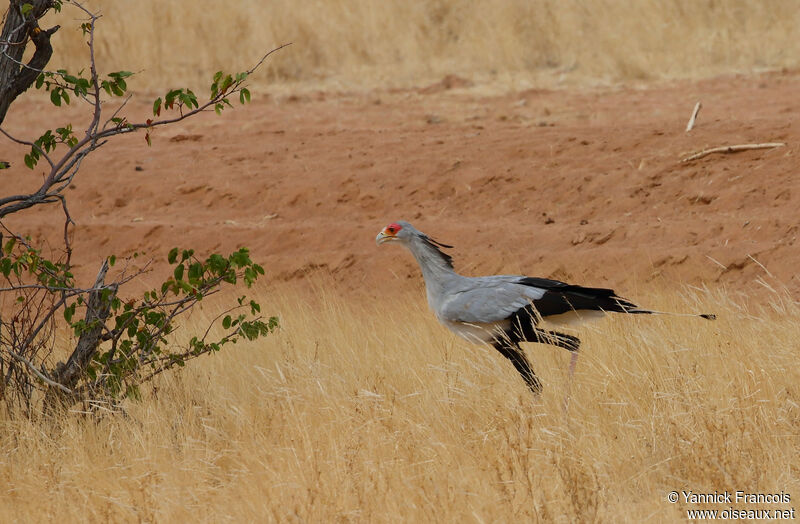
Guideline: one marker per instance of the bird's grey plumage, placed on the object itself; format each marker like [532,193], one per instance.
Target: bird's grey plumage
[487,299]
[502,310]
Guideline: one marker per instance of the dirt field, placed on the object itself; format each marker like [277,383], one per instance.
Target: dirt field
[585,185]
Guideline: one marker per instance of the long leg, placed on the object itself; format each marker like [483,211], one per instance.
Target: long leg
[568,342]
[524,328]
[554,338]
[562,340]
[513,352]
[571,344]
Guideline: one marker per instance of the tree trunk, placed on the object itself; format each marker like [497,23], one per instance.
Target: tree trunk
[98,309]
[15,78]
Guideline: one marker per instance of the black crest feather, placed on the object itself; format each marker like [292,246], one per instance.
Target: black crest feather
[436,245]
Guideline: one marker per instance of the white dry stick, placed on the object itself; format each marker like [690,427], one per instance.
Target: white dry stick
[732,149]
[690,125]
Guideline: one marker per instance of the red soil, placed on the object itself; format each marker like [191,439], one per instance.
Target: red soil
[585,186]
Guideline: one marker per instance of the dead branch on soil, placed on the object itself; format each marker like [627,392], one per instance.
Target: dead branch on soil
[732,149]
[690,125]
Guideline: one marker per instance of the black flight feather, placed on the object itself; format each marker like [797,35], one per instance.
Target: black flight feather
[562,298]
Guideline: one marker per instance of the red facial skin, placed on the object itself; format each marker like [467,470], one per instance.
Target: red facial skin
[392,229]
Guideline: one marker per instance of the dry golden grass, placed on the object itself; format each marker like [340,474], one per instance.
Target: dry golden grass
[371,412]
[515,43]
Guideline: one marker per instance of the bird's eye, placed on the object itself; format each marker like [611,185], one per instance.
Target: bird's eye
[393,228]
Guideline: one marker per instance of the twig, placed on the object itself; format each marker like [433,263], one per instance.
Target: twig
[252,69]
[732,149]
[27,143]
[39,374]
[690,125]
[120,108]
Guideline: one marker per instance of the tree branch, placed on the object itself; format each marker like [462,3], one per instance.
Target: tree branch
[38,373]
[732,149]
[16,78]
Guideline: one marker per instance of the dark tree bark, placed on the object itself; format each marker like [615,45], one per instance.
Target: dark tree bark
[98,309]
[18,31]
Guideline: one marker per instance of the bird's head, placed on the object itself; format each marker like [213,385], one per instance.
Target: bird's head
[418,242]
[395,232]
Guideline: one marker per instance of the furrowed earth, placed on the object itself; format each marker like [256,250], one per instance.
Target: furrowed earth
[583,185]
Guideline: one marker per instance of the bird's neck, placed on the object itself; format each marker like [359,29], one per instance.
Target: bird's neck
[437,269]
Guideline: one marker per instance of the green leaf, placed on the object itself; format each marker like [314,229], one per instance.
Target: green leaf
[112,260]
[190,99]
[55,96]
[5,266]
[39,81]
[244,95]
[178,273]
[173,255]
[68,312]
[157,107]
[82,87]
[169,99]
[226,322]
[226,83]
[25,9]
[79,327]
[195,272]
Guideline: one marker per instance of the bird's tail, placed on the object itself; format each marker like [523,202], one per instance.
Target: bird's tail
[567,298]
[641,311]
[608,300]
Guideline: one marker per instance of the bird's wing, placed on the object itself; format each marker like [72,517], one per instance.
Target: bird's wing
[488,299]
[491,299]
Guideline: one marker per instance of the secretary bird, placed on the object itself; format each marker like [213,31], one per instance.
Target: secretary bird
[504,310]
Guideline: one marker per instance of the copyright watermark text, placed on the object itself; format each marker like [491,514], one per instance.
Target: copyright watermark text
[739,504]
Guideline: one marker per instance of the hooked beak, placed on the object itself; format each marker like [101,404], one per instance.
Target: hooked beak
[384,236]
